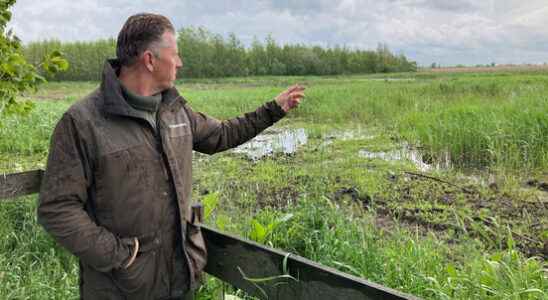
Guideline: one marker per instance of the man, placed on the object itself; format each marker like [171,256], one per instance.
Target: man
[117,187]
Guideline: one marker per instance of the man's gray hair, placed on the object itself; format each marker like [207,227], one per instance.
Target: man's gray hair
[141,32]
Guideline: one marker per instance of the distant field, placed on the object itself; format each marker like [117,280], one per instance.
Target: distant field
[498,68]
[434,183]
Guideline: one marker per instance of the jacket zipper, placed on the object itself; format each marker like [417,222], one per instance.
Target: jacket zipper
[160,145]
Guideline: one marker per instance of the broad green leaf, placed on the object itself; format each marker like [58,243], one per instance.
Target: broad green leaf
[210,202]
[221,222]
[258,232]
[451,270]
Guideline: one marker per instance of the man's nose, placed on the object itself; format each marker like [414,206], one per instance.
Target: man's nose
[179,62]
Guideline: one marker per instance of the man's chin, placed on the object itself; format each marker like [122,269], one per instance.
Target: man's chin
[168,86]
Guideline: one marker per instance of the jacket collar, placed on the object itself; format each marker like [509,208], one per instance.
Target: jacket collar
[113,99]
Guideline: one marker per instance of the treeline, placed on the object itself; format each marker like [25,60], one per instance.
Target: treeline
[206,54]
[85,59]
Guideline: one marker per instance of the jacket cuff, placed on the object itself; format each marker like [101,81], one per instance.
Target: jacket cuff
[275,110]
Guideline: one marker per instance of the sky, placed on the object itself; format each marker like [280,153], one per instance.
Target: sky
[446,32]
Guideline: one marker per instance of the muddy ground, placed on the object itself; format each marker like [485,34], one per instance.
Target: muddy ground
[454,205]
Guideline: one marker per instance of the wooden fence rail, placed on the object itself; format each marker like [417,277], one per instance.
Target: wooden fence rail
[239,262]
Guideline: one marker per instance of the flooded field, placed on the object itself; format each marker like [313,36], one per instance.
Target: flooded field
[434,184]
[288,141]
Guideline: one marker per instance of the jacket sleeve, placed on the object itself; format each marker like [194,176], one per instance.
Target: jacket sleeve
[62,202]
[211,135]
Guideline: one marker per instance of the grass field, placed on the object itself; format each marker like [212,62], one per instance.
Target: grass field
[430,183]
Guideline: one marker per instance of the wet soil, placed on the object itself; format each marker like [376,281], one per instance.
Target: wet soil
[534,183]
[354,195]
[454,208]
[478,213]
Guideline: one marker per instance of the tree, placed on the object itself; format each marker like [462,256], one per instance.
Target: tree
[256,57]
[17,75]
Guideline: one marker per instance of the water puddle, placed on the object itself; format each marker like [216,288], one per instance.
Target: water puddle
[421,161]
[288,141]
[347,135]
[268,143]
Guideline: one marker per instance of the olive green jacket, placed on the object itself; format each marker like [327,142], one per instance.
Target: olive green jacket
[110,178]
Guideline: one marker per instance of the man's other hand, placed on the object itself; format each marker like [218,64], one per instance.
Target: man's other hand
[291,97]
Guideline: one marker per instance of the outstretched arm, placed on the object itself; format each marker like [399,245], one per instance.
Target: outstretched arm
[212,135]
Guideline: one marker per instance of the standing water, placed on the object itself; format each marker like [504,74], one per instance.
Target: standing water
[285,141]
[413,155]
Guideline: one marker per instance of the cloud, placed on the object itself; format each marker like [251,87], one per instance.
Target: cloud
[440,5]
[444,31]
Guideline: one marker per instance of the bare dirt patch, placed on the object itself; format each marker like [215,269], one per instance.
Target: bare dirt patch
[478,213]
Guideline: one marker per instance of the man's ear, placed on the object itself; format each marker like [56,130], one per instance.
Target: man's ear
[147,58]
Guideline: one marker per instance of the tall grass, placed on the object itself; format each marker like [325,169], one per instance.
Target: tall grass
[502,275]
[478,131]
[32,266]
[403,259]
[480,120]
[484,120]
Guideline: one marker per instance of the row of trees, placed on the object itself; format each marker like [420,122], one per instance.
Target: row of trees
[206,54]
[86,58]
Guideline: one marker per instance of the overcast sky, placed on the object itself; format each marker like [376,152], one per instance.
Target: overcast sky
[449,32]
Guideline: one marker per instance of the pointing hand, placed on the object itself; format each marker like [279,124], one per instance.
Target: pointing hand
[291,97]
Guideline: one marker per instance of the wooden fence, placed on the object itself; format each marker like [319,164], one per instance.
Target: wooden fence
[237,261]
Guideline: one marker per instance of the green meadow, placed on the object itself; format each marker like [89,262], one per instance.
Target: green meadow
[434,184]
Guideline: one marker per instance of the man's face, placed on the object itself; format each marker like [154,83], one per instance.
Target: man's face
[167,63]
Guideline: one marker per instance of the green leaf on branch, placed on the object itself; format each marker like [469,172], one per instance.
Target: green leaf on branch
[17,75]
[54,62]
[5,17]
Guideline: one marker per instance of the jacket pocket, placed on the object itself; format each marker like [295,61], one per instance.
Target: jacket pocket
[196,250]
[137,277]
